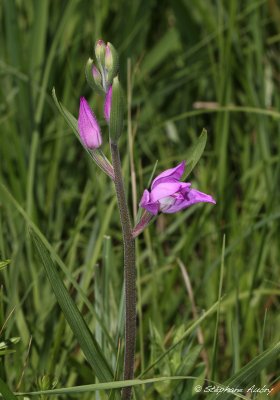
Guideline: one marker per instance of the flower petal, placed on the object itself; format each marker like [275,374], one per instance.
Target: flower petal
[89,129]
[145,198]
[193,197]
[166,203]
[174,174]
[152,207]
[164,189]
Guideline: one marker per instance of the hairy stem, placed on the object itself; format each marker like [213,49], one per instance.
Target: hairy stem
[129,273]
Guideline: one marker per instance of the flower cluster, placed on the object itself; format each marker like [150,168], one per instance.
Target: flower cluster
[100,78]
[167,194]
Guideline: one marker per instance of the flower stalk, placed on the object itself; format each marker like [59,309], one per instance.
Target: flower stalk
[168,194]
[129,272]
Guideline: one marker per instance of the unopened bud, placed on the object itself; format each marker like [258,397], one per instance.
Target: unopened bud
[117,111]
[108,58]
[100,49]
[96,75]
[111,62]
[93,76]
[88,127]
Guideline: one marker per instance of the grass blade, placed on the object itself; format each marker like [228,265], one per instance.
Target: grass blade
[73,316]
[250,371]
[196,152]
[106,386]
[215,344]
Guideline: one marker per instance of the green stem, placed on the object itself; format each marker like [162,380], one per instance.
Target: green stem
[129,273]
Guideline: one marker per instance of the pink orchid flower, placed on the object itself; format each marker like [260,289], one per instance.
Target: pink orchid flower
[169,195]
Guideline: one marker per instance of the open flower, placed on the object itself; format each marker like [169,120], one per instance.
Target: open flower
[89,129]
[169,195]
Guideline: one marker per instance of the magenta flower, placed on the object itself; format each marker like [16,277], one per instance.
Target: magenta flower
[107,105]
[169,195]
[89,129]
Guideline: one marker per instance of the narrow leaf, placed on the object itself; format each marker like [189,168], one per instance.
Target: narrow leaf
[107,386]
[69,118]
[73,316]
[245,376]
[196,152]
[118,385]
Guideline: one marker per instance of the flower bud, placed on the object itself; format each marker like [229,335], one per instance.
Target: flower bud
[107,104]
[111,62]
[116,111]
[89,129]
[100,50]
[93,76]
[96,75]
[108,57]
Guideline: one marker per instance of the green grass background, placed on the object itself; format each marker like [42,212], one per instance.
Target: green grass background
[184,65]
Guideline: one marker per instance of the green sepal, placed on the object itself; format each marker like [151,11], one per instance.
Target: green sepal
[117,111]
[89,77]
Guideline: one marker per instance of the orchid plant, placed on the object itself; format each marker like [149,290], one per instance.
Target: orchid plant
[168,194]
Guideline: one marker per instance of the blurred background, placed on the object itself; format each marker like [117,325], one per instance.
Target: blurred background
[184,66]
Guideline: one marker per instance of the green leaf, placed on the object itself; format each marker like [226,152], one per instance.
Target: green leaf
[6,392]
[245,375]
[69,118]
[73,316]
[196,152]
[107,386]
[215,343]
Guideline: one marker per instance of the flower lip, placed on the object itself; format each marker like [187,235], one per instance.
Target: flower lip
[88,127]
[194,196]
[165,189]
[169,195]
